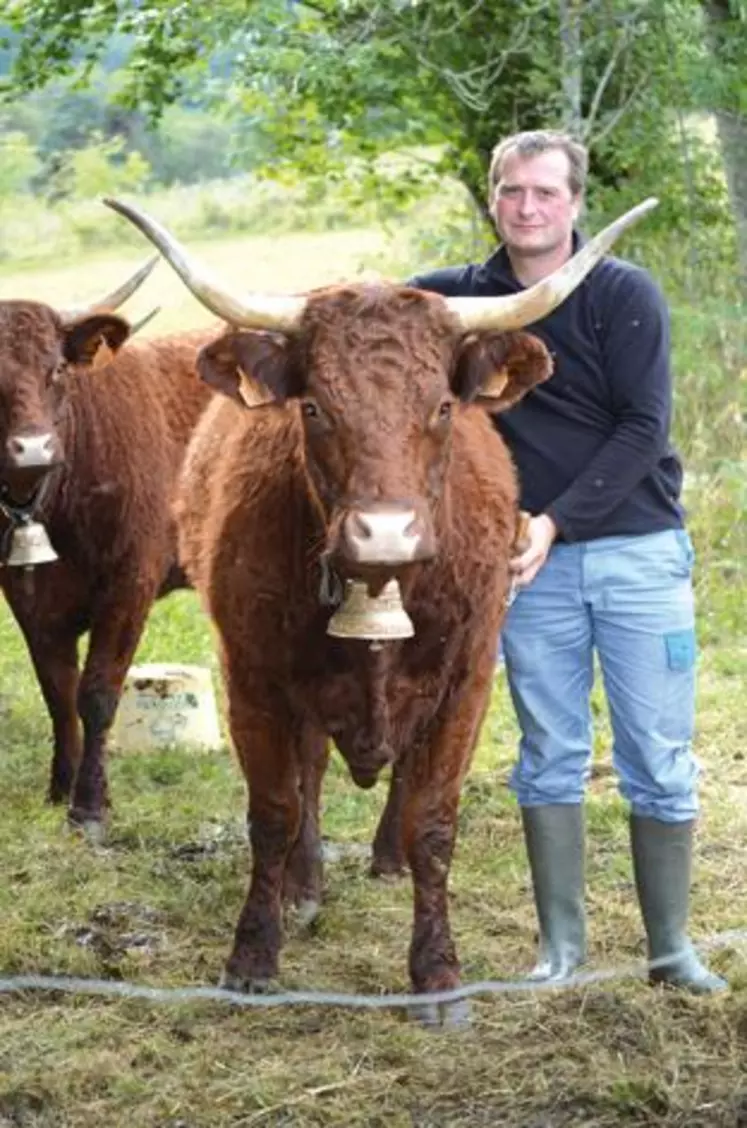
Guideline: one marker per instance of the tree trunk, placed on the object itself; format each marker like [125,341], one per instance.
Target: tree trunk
[723,24]
[571,59]
[732,135]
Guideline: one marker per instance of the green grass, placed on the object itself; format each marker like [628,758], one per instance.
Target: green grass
[157,905]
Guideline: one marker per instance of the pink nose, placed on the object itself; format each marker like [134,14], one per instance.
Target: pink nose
[385,536]
[32,452]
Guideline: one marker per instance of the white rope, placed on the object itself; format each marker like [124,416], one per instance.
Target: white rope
[78,986]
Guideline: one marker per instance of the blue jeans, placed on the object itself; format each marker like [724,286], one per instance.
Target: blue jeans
[631,600]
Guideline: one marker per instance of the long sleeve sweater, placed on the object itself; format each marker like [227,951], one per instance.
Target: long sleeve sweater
[591,444]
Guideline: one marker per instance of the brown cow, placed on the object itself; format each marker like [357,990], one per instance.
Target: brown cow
[92,435]
[352,440]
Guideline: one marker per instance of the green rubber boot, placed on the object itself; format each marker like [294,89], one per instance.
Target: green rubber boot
[662,864]
[554,836]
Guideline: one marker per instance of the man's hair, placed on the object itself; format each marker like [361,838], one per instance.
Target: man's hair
[535,141]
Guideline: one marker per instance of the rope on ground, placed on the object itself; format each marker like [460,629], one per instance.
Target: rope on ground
[78,986]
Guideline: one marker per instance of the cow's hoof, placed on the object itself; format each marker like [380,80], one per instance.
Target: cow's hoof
[387,869]
[304,913]
[442,1016]
[244,984]
[93,830]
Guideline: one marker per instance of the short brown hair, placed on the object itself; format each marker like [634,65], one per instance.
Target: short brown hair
[532,142]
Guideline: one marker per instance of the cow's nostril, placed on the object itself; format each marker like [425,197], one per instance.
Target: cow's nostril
[359,526]
[15,446]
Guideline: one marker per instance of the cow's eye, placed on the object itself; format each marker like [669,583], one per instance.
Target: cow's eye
[56,372]
[439,421]
[317,421]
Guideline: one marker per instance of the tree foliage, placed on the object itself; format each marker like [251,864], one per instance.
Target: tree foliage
[189,143]
[310,87]
[102,167]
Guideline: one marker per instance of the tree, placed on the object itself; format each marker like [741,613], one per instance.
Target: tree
[321,83]
[726,23]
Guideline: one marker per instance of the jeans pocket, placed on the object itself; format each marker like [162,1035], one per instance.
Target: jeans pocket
[680,650]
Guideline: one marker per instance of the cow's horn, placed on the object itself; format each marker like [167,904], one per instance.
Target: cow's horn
[136,326]
[256,311]
[517,310]
[117,297]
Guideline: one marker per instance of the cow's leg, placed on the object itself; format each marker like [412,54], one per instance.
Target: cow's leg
[55,658]
[430,831]
[264,740]
[433,782]
[303,872]
[116,627]
[388,855]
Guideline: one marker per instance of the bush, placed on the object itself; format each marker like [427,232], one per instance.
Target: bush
[101,168]
[19,164]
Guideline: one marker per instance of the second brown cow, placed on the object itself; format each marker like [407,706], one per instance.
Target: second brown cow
[92,435]
[351,443]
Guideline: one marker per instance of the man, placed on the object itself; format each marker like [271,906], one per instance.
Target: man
[606,567]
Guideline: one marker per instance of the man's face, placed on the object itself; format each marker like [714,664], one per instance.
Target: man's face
[533,206]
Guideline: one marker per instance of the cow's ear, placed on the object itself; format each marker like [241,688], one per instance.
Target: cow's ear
[251,367]
[496,369]
[95,339]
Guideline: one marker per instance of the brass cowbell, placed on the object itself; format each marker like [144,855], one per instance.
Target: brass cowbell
[29,546]
[360,615]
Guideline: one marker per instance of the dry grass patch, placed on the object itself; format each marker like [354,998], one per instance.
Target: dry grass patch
[272,264]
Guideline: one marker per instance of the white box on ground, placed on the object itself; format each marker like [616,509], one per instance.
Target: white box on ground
[167,704]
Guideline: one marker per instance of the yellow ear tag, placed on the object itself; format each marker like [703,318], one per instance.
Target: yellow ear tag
[495,384]
[99,352]
[251,391]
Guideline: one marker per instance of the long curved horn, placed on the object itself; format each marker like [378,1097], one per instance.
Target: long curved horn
[117,297]
[257,311]
[136,326]
[514,311]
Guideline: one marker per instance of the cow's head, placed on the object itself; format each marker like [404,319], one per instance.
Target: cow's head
[378,374]
[38,347]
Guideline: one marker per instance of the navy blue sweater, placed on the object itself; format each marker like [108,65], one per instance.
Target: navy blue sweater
[591,444]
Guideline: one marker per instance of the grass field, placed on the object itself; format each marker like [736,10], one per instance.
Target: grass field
[275,264]
[158,903]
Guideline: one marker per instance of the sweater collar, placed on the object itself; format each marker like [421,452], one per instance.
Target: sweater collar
[498,265]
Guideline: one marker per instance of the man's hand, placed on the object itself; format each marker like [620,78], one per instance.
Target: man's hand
[538,537]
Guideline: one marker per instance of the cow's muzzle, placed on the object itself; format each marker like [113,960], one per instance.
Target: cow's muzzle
[385,535]
[28,459]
